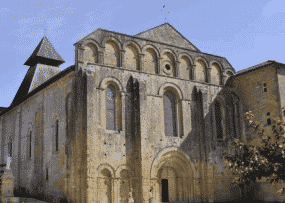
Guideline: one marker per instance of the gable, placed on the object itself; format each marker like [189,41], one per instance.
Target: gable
[165,33]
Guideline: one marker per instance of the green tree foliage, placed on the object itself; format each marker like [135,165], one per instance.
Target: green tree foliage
[263,158]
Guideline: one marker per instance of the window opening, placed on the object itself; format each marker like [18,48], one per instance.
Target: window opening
[30,145]
[111,107]
[219,131]
[167,67]
[264,87]
[46,173]
[170,117]
[56,136]
[268,121]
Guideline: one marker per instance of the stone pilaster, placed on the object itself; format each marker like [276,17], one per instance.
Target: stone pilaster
[100,58]
[121,60]
[159,61]
[176,65]
[18,139]
[208,75]
[124,96]
[193,77]
[141,61]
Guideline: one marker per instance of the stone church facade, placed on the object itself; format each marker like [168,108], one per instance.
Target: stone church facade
[135,118]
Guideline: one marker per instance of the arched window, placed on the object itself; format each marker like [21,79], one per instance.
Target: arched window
[170,115]
[200,71]
[56,135]
[218,119]
[185,70]
[150,61]
[105,183]
[90,53]
[131,57]
[111,56]
[47,173]
[111,107]
[215,74]
[234,117]
[30,144]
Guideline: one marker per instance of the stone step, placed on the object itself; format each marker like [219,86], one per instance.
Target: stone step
[31,200]
[21,200]
[24,200]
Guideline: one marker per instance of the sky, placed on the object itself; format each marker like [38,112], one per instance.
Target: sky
[245,32]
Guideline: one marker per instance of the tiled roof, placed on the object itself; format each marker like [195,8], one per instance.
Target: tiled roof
[46,54]
[37,89]
[256,67]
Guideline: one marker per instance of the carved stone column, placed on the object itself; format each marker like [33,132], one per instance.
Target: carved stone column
[124,95]
[121,60]
[208,75]
[193,72]
[176,65]
[117,198]
[100,57]
[159,65]
[141,63]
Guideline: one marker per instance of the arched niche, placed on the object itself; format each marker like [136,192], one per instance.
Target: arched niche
[111,52]
[131,57]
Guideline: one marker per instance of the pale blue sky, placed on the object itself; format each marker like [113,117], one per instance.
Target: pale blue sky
[245,32]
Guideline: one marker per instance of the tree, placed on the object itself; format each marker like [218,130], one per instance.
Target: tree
[263,158]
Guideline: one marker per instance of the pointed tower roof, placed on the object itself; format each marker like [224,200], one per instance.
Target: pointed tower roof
[45,54]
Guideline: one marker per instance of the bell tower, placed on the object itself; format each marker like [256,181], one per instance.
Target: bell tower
[44,63]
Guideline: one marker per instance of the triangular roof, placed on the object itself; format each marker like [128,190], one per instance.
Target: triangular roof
[38,89]
[46,54]
[255,67]
[166,33]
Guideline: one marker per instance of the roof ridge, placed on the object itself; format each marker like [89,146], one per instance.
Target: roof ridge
[254,67]
[184,37]
[151,29]
[262,63]
[166,23]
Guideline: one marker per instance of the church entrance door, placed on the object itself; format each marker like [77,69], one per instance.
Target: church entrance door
[164,191]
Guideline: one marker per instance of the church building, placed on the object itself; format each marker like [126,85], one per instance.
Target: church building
[138,118]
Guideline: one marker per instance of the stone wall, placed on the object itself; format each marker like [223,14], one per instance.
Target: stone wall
[19,122]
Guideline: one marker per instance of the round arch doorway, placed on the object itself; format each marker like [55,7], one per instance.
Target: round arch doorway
[174,176]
